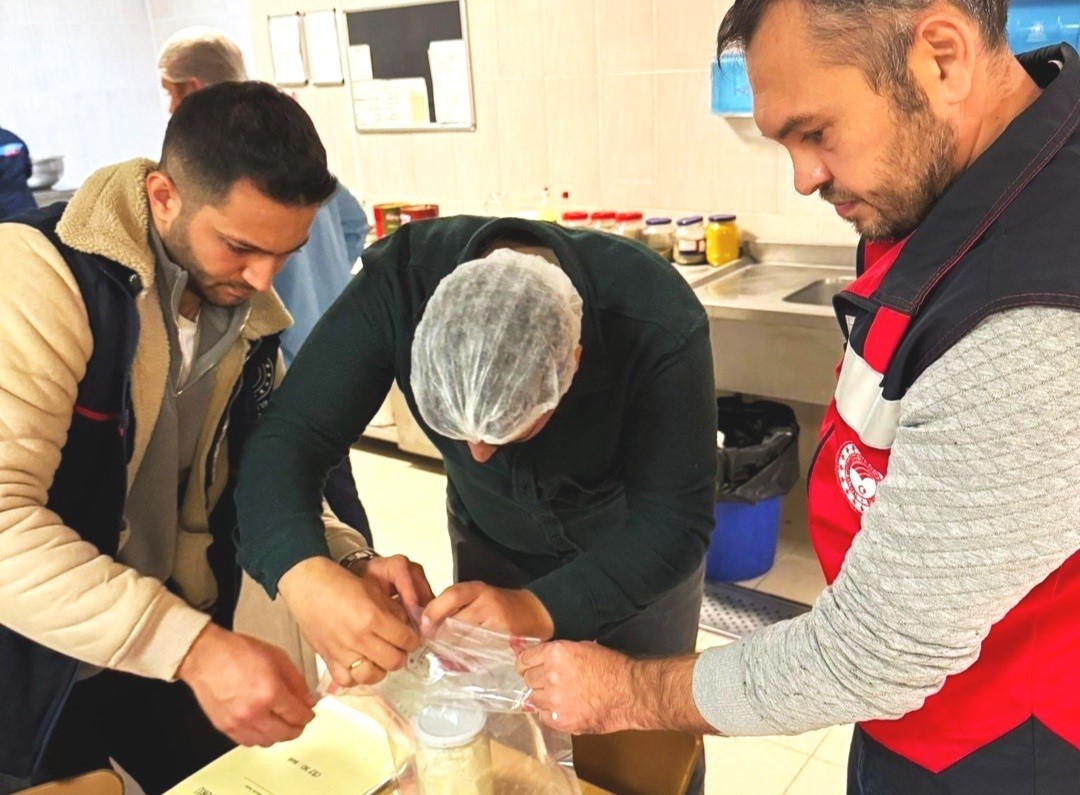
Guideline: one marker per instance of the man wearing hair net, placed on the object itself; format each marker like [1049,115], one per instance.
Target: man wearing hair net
[566,378]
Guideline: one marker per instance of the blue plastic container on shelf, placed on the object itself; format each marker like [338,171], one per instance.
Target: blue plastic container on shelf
[1032,25]
[744,540]
[731,95]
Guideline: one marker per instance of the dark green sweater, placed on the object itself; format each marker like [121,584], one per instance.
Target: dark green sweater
[608,507]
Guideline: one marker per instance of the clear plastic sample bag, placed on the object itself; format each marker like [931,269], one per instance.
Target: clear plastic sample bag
[457,722]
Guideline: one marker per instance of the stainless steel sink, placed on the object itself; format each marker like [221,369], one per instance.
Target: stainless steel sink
[800,293]
[820,292]
[772,325]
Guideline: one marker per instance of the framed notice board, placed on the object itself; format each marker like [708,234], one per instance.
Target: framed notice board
[409,67]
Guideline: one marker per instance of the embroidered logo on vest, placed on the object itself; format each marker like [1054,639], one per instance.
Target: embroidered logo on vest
[264,384]
[857,477]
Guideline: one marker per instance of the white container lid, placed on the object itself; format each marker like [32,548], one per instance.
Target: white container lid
[445,726]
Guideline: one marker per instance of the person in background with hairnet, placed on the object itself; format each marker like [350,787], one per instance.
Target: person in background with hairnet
[199,56]
[566,378]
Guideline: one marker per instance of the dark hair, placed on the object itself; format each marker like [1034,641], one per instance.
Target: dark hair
[232,131]
[873,35]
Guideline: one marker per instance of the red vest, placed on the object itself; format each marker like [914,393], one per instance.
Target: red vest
[1029,663]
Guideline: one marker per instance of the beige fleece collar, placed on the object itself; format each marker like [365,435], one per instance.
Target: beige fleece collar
[110,216]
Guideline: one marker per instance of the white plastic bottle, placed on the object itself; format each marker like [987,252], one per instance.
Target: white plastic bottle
[546,210]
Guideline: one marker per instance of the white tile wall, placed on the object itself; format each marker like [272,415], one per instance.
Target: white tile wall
[573,136]
[625,37]
[608,99]
[523,148]
[569,38]
[481,21]
[687,152]
[434,155]
[628,128]
[80,80]
[519,42]
[482,146]
[685,33]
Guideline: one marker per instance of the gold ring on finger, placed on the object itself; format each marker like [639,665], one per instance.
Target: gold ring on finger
[357,663]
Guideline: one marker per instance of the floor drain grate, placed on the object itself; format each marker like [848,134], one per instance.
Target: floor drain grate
[735,611]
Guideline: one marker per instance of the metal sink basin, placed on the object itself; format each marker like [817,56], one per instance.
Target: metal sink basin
[794,292]
[820,292]
[772,325]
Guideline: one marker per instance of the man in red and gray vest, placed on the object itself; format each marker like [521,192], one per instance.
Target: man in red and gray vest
[944,496]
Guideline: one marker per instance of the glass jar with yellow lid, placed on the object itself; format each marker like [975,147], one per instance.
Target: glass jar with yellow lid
[721,240]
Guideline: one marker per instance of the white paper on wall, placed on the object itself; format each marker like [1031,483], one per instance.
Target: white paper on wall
[360,62]
[286,50]
[450,81]
[390,103]
[323,53]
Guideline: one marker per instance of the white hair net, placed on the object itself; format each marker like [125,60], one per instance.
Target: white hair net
[495,347]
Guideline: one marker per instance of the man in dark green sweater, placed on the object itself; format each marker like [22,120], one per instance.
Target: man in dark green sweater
[580,500]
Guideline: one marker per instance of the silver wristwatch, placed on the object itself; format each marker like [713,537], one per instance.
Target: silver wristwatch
[360,554]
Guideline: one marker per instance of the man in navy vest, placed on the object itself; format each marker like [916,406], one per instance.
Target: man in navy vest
[313,277]
[140,345]
[944,496]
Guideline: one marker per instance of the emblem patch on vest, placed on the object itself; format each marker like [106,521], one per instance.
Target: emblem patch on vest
[264,384]
[857,477]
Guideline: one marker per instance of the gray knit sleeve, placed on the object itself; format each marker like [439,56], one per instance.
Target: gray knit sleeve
[980,504]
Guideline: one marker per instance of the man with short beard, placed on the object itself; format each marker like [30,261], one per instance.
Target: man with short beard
[312,279]
[140,344]
[944,496]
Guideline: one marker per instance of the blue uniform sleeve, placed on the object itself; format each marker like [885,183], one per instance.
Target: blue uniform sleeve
[354,222]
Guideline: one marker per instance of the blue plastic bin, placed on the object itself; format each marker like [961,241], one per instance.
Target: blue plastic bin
[744,539]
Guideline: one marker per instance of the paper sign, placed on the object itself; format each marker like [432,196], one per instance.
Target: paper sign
[450,81]
[341,752]
[360,62]
[323,55]
[390,104]
[285,50]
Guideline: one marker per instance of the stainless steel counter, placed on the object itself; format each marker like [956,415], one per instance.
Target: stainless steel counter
[771,321]
[768,290]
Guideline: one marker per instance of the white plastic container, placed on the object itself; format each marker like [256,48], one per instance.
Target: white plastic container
[453,755]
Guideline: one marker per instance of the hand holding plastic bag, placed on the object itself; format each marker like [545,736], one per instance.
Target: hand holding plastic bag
[458,674]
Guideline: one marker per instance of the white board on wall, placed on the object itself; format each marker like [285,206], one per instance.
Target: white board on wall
[409,67]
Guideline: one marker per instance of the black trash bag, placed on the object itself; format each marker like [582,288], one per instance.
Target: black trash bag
[760,457]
